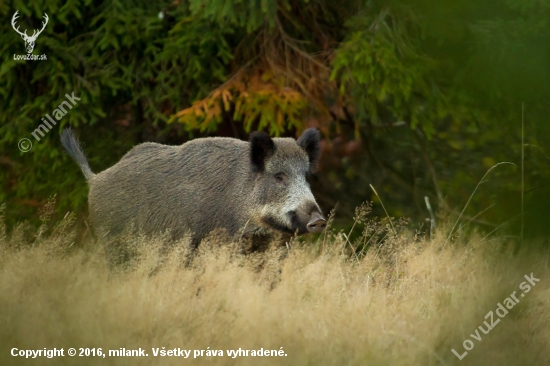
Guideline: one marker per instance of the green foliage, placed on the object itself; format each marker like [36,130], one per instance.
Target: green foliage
[247,14]
[378,69]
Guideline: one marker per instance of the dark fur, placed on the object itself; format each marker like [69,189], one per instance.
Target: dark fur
[309,141]
[261,148]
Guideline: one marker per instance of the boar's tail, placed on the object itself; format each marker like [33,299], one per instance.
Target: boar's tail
[75,151]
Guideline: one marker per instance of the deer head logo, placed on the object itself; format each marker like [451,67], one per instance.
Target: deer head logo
[29,40]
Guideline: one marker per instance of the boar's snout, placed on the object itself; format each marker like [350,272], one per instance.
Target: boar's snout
[317,223]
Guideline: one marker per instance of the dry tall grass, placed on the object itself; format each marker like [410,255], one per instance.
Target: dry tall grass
[408,301]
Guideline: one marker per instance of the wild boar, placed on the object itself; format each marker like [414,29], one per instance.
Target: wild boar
[257,189]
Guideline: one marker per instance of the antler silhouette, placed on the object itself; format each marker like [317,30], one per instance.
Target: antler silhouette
[24,34]
[15,16]
[43,26]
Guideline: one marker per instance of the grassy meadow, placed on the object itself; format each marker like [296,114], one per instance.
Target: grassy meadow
[396,298]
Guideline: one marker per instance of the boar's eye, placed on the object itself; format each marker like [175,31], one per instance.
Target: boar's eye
[280,177]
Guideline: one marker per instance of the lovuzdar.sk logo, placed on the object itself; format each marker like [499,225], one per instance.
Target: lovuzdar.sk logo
[29,40]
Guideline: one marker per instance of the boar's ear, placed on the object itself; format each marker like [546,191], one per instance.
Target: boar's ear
[309,141]
[261,148]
